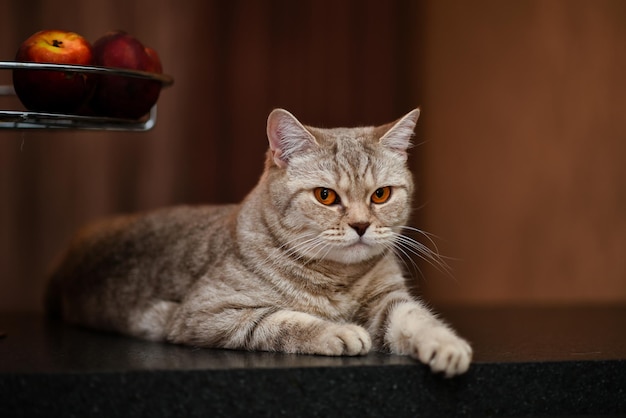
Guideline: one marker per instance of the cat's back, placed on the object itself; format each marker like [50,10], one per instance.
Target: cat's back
[162,230]
[165,249]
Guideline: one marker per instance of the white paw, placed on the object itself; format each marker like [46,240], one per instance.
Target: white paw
[342,340]
[416,332]
[442,350]
[150,321]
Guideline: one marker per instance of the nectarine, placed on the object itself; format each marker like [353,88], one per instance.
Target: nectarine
[123,96]
[54,91]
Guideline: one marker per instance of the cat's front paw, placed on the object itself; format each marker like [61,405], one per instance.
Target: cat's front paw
[442,350]
[342,340]
[416,332]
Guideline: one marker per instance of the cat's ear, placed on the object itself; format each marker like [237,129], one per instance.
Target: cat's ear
[398,136]
[287,136]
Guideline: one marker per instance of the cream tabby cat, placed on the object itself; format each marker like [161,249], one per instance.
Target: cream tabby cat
[305,264]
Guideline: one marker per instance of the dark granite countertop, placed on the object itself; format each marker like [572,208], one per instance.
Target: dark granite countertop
[529,361]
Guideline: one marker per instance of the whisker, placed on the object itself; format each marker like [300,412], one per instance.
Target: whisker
[320,246]
[290,250]
[422,252]
[403,257]
[432,257]
[430,237]
[420,207]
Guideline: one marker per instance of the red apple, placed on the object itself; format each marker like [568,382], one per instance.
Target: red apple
[54,91]
[123,96]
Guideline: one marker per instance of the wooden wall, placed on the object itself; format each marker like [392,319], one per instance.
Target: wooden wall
[521,175]
[524,169]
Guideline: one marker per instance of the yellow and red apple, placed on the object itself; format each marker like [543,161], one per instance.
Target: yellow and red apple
[54,91]
[122,96]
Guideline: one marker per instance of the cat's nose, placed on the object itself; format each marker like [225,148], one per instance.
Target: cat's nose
[360,227]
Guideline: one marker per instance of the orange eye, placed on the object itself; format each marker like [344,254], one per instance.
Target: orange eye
[326,196]
[381,195]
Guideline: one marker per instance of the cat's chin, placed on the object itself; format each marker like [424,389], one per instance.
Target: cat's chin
[353,254]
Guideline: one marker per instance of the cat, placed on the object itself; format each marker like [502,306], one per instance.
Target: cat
[306,263]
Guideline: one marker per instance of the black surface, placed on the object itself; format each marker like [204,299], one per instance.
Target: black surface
[528,361]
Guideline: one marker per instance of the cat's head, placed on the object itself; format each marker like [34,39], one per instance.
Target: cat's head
[343,193]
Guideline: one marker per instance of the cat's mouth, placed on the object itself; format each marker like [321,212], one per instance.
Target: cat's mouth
[349,253]
[359,244]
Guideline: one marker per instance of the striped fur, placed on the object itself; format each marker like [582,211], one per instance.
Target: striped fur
[279,272]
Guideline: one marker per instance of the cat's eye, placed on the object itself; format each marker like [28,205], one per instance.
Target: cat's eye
[381,195]
[326,196]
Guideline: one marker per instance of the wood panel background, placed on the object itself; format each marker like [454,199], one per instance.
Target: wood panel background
[521,174]
[525,168]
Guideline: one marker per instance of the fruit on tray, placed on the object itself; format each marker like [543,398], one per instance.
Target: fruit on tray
[54,91]
[122,96]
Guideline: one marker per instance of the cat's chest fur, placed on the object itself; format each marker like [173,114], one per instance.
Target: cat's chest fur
[253,271]
[325,290]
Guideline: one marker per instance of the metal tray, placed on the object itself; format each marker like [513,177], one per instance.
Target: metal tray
[16,119]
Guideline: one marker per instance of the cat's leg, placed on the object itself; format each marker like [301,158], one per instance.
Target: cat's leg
[413,330]
[298,332]
[268,329]
[150,320]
